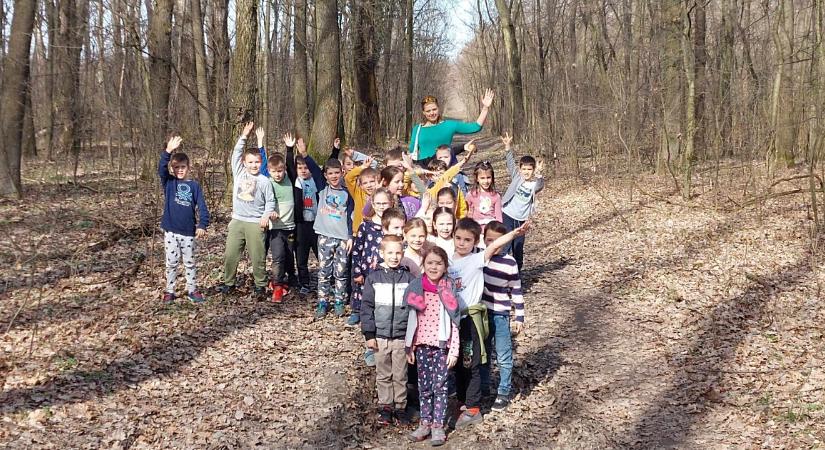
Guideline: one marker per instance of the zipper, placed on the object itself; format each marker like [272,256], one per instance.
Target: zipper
[392,314]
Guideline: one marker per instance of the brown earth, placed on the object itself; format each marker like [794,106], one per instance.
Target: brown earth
[652,323]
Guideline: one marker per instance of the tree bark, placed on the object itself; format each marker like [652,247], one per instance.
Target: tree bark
[13,97]
[365,56]
[300,88]
[160,66]
[409,44]
[244,86]
[328,75]
[71,31]
[514,86]
[204,118]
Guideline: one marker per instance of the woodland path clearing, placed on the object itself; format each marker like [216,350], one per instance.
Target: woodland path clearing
[651,324]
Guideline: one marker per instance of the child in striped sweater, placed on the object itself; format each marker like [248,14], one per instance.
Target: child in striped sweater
[502,293]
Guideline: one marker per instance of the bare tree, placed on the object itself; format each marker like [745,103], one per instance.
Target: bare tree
[14,94]
[325,124]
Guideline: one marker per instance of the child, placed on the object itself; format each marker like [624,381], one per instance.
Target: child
[441,176]
[467,269]
[309,177]
[415,236]
[502,293]
[361,183]
[443,225]
[519,199]
[281,235]
[447,198]
[392,178]
[252,204]
[483,202]
[432,341]
[333,225]
[384,326]
[445,154]
[182,198]
[365,252]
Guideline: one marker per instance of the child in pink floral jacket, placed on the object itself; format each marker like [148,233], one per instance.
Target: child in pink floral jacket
[432,341]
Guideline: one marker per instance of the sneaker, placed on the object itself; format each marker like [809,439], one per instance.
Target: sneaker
[401,416]
[385,416]
[168,297]
[501,403]
[339,308]
[196,297]
[467,418]
[259,293]
[321,310]
[438,437]
[354,319]
[278,293]
[420,433]
[305,290]
[224,289]
[369,358]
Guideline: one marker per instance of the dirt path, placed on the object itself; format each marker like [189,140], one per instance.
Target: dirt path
[650,325]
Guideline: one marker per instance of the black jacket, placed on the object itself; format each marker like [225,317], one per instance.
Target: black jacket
[383,313]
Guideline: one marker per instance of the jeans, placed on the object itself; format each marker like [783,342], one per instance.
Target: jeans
[500,331]
[516,247]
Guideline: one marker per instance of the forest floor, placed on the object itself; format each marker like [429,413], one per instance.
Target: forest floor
[651,323]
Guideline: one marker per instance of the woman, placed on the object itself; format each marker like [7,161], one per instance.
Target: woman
[434,131]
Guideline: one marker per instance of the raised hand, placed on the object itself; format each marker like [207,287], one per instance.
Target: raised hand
[539,166]
[487,99]
[523,229]
[173,144]
[247,129]
[367,162]
[259,133]
[470,148]
[302,147]
[289,140]
[507,140]
[406,161]
[337,143]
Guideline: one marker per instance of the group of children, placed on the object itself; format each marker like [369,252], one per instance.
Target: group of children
[432,284]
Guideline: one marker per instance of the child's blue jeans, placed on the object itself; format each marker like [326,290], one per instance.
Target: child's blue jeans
[500,332]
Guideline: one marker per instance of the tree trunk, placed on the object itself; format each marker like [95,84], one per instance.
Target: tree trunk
[700,59]
[328,76]
[408,52]
[726,72]
[300,97]
[365,59]
[244,87]
[204,118]
[160,66]
[688,64]
[219,37]
[514,87]
[71,30]
[13,97]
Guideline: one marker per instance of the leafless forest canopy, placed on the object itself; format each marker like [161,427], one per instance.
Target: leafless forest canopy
[646,85]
